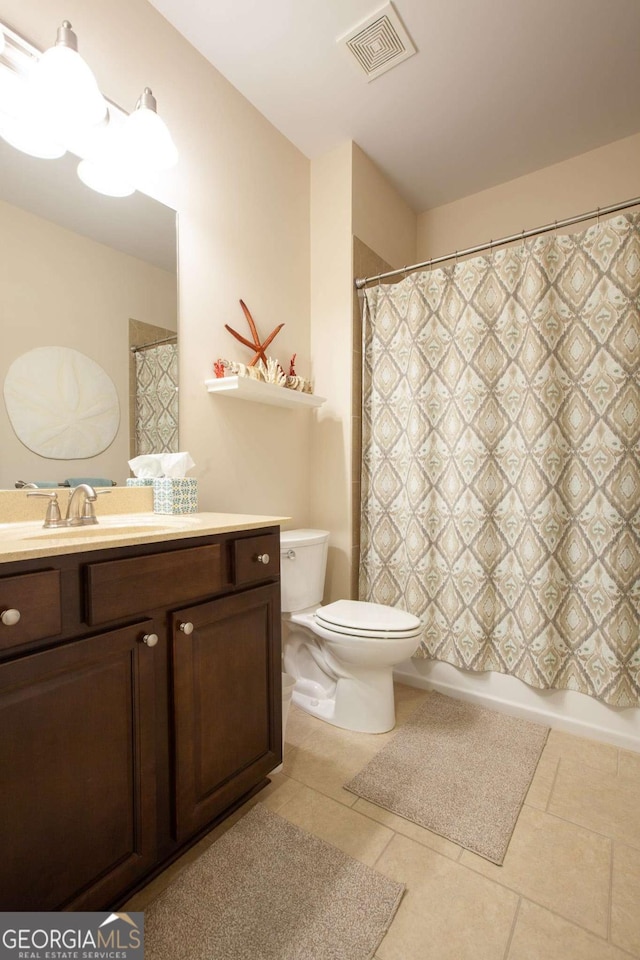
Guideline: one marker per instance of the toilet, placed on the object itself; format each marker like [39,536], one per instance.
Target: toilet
[341,655]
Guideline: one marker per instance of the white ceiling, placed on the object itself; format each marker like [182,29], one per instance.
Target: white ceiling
[499,88]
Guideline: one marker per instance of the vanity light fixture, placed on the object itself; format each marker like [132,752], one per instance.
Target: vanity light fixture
[50,102]
[63,87]
[105,177]
[146,140]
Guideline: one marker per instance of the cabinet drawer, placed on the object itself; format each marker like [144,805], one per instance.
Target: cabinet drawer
[250,563]
[37,597]
[121,588]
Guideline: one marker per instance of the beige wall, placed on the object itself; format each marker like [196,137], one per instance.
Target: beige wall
[331,284]
[381,218]
[242,194]
[349,197]
[604,176]
[62,289]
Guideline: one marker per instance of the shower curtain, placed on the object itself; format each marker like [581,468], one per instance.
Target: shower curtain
[156,403]
[500,461]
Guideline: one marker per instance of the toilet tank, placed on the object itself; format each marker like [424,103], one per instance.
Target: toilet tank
[303,561]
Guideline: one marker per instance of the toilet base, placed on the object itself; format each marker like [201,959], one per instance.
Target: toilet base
[364,704]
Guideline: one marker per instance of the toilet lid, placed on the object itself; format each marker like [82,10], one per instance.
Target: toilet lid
[367,619]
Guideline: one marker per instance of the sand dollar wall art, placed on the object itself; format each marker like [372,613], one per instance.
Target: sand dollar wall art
[61,403]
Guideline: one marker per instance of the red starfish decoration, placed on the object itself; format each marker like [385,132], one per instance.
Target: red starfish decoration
[256,344]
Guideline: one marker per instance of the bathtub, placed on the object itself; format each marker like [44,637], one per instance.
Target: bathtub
[560,709]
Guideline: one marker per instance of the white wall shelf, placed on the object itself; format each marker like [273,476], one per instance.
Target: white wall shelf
[244,388]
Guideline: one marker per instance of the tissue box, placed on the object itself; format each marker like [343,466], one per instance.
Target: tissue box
[175,495]
[139,481]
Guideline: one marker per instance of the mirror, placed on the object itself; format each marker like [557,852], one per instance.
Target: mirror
[97,275]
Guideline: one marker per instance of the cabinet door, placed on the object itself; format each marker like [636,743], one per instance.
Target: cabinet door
[77,795]
[227,702]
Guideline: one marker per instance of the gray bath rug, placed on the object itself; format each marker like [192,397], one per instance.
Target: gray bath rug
[267,890]
[459,770]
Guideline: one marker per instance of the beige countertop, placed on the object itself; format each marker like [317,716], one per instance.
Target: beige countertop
[26,540]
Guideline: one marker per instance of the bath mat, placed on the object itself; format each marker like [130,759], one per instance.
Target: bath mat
[267,890]
[459,770]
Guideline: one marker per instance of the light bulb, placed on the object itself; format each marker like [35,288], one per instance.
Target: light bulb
[146,141]
[103,178]
[63,88]
[20,126]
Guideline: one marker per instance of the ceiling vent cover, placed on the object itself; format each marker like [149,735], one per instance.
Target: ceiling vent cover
[379,43]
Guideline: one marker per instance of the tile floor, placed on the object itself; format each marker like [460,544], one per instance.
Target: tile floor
[569,888]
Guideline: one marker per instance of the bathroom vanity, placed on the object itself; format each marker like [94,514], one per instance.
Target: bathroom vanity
[140,699]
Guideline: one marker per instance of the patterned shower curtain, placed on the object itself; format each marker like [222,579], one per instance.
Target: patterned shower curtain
[157,399]
[501,459]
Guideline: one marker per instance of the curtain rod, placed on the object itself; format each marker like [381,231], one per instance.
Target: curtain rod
[146,346]
[523,235]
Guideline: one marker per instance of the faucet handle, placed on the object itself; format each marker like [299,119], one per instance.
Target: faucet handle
[53,517]
[88,511]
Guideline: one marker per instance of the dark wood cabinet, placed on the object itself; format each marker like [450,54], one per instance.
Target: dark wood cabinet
[123,737]
[77,802]
[225,678]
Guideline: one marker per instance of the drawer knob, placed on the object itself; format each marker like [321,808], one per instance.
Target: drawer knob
[150,639]
[263,558]
[186,627]
[10,617]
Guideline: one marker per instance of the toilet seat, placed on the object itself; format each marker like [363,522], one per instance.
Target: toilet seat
[374,621]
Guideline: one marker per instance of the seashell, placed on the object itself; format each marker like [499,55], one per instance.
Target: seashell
[294,383]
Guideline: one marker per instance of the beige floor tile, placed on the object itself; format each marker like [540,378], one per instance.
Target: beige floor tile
[407,700]
[448,912]
[300,725]
[330,820]
[408,829]
[565,746]
[540,935]
[330,757]
[625,900]
[557,864]
[280,790]
[597,800]
[629,767]
[542,783]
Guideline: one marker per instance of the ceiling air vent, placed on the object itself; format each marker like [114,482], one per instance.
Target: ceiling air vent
[379,43]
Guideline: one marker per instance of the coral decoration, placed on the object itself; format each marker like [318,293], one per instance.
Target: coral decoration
[292,369]
[256,344]
[271,372]
[219,368]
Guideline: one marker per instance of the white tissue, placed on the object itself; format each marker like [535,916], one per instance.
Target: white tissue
[161,465]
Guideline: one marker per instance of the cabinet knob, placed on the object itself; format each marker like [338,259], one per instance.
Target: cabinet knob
[186,627]
[263,558]
[150,639]
[10,617]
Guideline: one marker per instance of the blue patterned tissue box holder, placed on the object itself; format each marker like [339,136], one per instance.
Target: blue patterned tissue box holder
[139,481]
[175,495]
